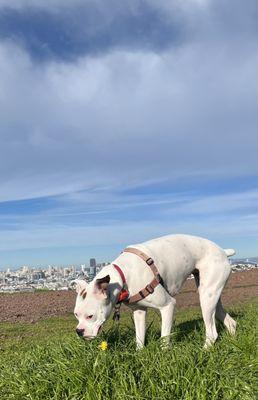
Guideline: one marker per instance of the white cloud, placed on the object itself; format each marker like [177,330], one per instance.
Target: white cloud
[218,204]
[227,216]
[52,4]
[124,118]
[44,4]
[127,232]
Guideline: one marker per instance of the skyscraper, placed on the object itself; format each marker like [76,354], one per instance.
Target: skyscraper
[92,262]
[93,266]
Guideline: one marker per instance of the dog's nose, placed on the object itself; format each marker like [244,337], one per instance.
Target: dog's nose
[80,332]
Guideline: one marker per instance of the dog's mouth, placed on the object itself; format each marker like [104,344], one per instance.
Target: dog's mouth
[93,337]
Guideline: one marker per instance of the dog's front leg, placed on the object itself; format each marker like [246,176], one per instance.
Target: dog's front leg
[139,322]
[167,313]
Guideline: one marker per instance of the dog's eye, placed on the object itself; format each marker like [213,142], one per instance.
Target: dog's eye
[89,316]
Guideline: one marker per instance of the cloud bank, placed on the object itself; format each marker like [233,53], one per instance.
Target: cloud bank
[108,97]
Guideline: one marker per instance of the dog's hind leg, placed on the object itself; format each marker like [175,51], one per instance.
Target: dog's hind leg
[208,303]
[214,272]
[224,317]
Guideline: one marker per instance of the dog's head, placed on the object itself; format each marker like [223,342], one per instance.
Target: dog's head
[93,306]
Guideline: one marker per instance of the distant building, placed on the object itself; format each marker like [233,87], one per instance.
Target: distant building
[36,275]
[93,267]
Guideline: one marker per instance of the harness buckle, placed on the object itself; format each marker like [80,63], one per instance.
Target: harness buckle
[116,315]
[149,261]
[123,296]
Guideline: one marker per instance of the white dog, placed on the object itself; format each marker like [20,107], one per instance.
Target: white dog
[132,278]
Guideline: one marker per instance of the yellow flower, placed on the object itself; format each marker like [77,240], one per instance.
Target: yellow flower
[103,346]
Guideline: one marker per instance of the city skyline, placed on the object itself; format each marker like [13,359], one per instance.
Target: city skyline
[99,264]
[26,279]
[122,122]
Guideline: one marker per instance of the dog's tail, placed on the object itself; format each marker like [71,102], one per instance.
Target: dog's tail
[229,252]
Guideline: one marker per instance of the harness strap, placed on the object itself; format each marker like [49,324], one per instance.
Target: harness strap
[124,294]
[120,273]
[151,286]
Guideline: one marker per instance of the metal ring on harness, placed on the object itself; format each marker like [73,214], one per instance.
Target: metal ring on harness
[149,289]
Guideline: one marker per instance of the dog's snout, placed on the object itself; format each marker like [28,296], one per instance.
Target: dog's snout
[80,332]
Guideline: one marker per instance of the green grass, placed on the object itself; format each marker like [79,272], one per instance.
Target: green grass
[47,361]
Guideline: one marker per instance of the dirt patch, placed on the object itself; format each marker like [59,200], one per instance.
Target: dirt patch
[31,307]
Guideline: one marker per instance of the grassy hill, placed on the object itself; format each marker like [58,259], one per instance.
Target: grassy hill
[47,361]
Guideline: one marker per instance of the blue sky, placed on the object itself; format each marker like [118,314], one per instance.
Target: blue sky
[123,121]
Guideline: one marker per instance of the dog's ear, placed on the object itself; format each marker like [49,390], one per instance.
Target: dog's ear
[101,286]
[79,285]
